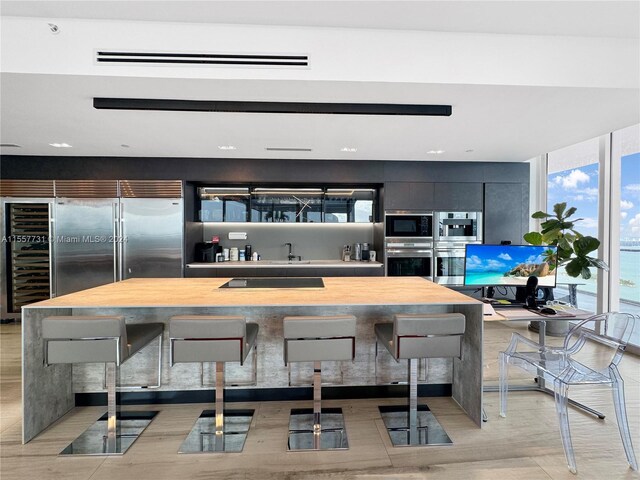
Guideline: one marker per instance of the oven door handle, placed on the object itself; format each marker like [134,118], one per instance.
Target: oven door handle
[449,253]
[409,253]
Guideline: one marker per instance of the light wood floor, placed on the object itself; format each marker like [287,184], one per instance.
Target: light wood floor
[525,445]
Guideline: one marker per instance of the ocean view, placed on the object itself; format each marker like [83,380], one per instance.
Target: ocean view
[629,276]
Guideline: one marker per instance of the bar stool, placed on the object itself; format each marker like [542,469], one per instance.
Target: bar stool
[218,339]
[314,339]
[108,339]
[412,337]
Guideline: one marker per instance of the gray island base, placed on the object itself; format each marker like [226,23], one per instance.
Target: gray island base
[49,391]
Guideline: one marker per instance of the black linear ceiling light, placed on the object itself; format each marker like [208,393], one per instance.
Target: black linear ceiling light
[271,107]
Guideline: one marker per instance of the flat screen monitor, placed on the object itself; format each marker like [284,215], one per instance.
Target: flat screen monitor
[509,265]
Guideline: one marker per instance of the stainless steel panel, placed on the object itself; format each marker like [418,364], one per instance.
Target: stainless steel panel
[152,232]
[84,248]
[440,234]
[448,266]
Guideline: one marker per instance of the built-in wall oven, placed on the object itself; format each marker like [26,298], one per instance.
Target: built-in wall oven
[408,243]
[409,258]
[457,227]
[448,266]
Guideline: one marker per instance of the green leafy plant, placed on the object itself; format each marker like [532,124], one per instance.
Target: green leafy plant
[573,247]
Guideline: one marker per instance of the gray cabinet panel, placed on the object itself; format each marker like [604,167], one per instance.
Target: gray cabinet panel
[408,196]
[496,172]
[458,197]
[428,171]
[506,209]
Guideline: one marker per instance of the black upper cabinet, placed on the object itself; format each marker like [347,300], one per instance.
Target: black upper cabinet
[448,196]
[408,196]
[458,197]
[506,212]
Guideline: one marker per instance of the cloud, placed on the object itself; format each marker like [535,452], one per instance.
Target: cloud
[632,190]
[623,215]
[495,265]
[625,204]
[572,180]
[505,256]
[588,222]
[635,221]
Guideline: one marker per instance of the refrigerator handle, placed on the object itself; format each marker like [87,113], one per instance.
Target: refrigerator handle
[120,242]
[116,257]
[52,252]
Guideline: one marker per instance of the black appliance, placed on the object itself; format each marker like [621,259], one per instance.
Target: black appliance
[405,224]
[206,251]
[275,282]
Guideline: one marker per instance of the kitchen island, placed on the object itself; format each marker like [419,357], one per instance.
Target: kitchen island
[49,392]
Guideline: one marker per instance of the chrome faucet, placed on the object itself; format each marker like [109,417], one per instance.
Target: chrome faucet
[291,256]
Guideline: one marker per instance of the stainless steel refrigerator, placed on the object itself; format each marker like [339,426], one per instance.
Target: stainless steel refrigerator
[100,241]
[63,236]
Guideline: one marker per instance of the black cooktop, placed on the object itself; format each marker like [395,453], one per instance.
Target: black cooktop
[275,282]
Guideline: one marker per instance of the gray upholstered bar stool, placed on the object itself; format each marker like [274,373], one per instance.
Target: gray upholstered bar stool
[219,339]
[412,337]
[96,339]
[314,339]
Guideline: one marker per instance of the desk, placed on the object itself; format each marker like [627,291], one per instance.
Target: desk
[513,314]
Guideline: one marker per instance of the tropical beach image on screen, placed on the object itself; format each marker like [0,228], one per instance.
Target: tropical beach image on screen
[509,265]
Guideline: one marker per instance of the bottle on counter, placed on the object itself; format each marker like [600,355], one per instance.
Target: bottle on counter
[247,253]
[234,254]
[365,252]
[254,256]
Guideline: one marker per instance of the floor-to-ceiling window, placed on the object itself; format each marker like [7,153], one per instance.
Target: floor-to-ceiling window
[572,177]
[624,284]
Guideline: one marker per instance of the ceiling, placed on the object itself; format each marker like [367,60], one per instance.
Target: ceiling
[587,18]
[506,122]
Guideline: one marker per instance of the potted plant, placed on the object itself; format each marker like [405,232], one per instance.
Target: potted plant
[573,252]
[573,247]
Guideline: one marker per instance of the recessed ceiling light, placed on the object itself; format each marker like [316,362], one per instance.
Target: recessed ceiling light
[226,147]
[349,149]
[437,152]
[60,145]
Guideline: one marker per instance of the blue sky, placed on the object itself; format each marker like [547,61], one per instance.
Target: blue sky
[579,188]
[501,258]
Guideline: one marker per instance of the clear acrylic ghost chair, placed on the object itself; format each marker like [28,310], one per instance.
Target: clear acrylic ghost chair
[565,366]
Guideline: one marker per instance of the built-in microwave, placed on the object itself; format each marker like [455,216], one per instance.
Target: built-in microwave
[403,224]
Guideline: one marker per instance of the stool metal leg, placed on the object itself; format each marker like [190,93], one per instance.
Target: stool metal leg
[413,402]
[219,430]
[306,430]
[219,441]
[412,424]
[112,373]
[115,431]
[317,398]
